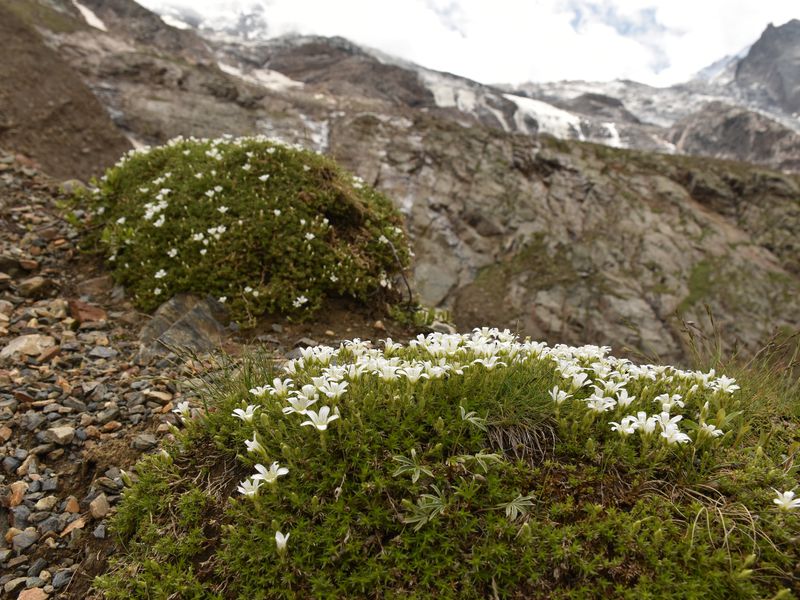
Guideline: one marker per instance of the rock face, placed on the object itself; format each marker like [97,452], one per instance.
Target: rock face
[54,119]
[580,243]
[731,132]
[771,70]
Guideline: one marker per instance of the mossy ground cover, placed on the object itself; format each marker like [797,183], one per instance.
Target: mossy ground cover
[469,466]
[260,225]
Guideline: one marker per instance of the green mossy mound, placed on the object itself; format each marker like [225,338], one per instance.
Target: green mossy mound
[452,469]
[263,226]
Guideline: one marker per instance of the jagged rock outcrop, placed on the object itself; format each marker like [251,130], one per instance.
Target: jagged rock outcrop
[771,70]
[731,132]
[46,111]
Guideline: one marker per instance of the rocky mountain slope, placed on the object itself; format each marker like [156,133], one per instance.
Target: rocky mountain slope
[563,240]
[627,114]
[46,111]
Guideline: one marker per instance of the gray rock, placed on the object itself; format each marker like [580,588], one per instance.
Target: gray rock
[145,441]
[103,352]
[109,414]
[37,567]
[183,322]
[26,539]
[62,578]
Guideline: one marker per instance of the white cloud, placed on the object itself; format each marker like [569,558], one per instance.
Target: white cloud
[654,41]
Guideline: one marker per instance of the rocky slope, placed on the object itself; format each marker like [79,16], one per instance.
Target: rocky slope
[770,73]
[46,112]
[562,240]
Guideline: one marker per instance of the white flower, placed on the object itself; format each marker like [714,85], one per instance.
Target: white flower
[280,387]
[223,209]
[673,435]
[321,420]
[247,289]
[643,423]
[489,363]
[280,541]
[121,221]
[249,487]
[623,399]
[558,396]
[413,374]
[223,299]
[183,410]
[725,384]
[270,475]
[334,278]
[156,291]
[172,252]
[245,415]
[786,500]
[259,391]
[159,222]
[198,237]
[626,427]
[600,404]
[264,177]
[203,251]
[160,274]
[310,236]
[277,212]
[254,445]
[334,389]
[299,301]
[711,430]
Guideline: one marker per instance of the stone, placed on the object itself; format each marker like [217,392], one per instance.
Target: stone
[18,489]
[72,505]
[36,568]
[5,433]
[26,539]
[61,435]
[99,507]
[14,584]
[62,578]
[78,523]
[84,312]
[95,287]
[35,287]
[144,441]
[46,503]
[34,593]
[29,345]
[103,352]
[100,531]
[185,322]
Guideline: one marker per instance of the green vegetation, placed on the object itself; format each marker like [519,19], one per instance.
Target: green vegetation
[262,226]
[700,285]
[470,466]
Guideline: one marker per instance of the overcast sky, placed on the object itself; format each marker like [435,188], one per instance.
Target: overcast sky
[659,42]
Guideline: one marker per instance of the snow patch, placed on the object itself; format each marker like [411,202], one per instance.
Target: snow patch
[317,132]
[613,135]
[91,19]
[551,120]
[267,78]
[175,22]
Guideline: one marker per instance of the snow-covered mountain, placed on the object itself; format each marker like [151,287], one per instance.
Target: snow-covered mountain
[619,113]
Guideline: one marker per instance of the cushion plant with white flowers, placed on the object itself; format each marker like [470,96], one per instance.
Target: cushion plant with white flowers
[469,466]
[257,224]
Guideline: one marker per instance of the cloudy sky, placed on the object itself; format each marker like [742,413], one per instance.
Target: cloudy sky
[659,42]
